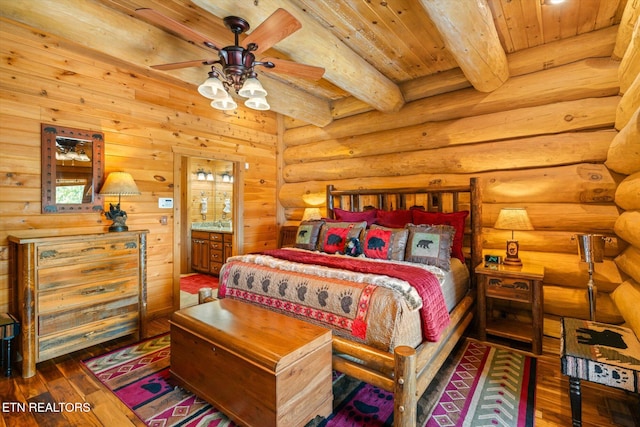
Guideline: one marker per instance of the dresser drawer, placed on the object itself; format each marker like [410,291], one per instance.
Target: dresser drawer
[214,267]
[509,288]
[216,256]
[85,251]
[59,321]
[215,237]
[202,235]
[84,295]
[64,342]
[115,269]
[216,245]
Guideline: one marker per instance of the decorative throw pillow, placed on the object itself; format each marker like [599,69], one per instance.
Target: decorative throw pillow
[356,229]
[308,232]
[454,219]
[335,240]
[349,216]
[385,243]
[430,244]
[394,219]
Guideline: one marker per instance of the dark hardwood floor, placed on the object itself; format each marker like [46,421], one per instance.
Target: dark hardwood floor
[65,380]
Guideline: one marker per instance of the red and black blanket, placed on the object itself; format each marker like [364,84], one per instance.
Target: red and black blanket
[434,315]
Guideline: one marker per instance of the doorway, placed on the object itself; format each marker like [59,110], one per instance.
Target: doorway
[208,196]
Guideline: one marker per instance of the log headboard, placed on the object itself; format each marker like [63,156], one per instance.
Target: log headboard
[432,199]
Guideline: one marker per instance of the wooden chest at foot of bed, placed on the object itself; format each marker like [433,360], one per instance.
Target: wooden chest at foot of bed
[259,367]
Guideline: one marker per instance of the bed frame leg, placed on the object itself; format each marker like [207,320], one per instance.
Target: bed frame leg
[405,405]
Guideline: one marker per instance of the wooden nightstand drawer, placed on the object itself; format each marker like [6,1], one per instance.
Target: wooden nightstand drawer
[509,288]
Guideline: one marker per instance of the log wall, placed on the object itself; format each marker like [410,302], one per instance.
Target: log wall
[541,141]
[47,79]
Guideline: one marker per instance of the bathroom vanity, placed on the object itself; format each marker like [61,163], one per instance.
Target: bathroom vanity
[211,245]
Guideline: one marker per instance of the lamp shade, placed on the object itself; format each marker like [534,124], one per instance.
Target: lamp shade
[252,89]
[225,104]
[211,88]
[591,247]
[257,103]
[119,184]
[513,219]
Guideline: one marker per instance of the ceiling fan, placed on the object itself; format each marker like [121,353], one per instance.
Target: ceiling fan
[234,66]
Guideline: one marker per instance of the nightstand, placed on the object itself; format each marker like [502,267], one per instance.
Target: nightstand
[522,284]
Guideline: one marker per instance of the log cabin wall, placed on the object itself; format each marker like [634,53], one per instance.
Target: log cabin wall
[144,117]
[541,141]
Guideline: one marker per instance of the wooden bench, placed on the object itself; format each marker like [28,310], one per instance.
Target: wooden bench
[258,367]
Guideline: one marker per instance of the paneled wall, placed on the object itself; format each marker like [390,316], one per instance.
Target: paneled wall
[144,117]
[539,142]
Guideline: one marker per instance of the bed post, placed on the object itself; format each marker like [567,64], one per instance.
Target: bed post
[476,227]
[405,403]
[330,202]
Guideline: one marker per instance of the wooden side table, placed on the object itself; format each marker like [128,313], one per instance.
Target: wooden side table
[523,284]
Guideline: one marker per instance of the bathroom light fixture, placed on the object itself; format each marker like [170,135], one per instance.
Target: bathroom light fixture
[226,177]
[201,175]
[210,176]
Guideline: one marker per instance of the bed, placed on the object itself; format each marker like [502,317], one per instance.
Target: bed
[388,270]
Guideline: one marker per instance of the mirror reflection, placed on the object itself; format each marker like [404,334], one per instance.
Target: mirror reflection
[74,182]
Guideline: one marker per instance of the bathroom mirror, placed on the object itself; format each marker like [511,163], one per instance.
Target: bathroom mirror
[72,169]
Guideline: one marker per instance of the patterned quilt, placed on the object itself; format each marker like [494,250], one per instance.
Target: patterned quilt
[354,297]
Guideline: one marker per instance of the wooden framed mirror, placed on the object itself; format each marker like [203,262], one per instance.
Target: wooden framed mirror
[72,169]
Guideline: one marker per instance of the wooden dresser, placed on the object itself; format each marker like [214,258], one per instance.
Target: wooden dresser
[75,291]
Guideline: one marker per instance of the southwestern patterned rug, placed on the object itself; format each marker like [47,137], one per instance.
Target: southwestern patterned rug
[483,385]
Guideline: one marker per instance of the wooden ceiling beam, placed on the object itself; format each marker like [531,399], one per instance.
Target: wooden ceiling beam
[470,35]
[315,45]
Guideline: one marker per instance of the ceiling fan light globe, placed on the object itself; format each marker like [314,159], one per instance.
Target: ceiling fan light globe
[224,104]
[252,89]
[211,88]
[257,103]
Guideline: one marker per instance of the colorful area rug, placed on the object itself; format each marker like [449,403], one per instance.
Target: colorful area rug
[194,282]
[484,385]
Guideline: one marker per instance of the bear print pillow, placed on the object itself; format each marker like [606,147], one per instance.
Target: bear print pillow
[385,243]
[430,244]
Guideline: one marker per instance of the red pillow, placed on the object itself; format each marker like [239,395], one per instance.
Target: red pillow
[454,219]
[394,219]
[349,216]
[335,239]
[377,243]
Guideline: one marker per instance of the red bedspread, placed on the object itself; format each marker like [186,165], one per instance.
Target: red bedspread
[434,314]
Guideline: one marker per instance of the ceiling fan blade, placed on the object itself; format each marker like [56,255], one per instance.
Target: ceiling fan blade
[184,64]
[179,28]
[280,25]
[282,66]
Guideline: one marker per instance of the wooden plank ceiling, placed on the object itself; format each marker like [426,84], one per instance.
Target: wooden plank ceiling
[376,54]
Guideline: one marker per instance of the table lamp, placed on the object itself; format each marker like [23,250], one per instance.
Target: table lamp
[591,249]
[513,219]
[118,184]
